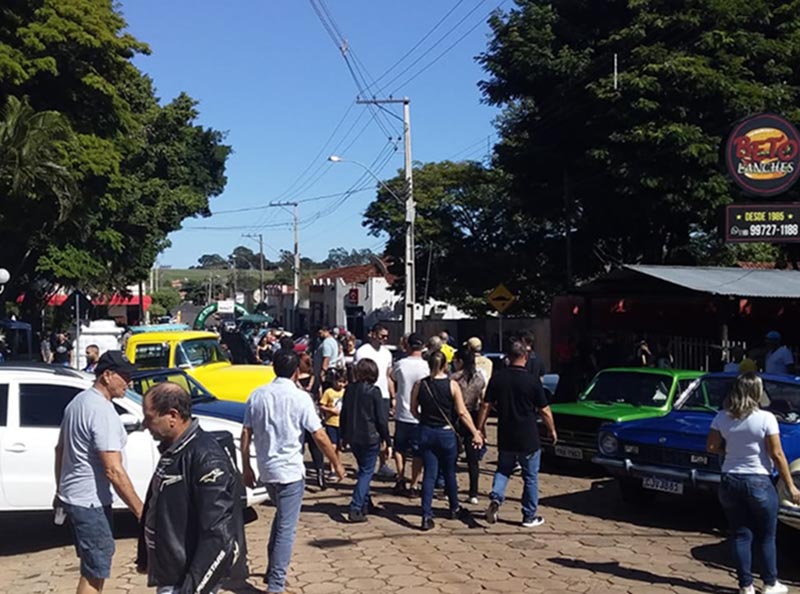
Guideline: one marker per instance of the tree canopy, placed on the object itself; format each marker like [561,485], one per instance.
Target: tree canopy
[134,168]
[633,172]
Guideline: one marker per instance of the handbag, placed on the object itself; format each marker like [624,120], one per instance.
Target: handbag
[459,437]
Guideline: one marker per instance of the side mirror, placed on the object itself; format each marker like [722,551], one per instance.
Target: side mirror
[131,423]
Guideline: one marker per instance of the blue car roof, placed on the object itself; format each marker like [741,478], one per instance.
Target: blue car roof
[776,377]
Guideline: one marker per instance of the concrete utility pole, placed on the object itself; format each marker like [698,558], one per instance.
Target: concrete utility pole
[409,317]
[260,260]
[296,279]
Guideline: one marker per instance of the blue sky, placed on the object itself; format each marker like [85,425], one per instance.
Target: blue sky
[267,73]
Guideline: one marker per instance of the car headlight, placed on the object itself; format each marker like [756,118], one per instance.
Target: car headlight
[608,443]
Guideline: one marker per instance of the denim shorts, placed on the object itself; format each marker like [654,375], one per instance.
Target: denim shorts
[93,528]
[406,438]
[333,434]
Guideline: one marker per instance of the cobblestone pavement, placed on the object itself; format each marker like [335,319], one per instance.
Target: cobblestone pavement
[590,543]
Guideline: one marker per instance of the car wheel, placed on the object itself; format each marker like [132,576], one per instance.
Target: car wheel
[632,491]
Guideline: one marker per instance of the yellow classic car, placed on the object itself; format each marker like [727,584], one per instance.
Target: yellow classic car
[198,353]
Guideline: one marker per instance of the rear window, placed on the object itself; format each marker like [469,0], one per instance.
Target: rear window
[3,404]
[152,356]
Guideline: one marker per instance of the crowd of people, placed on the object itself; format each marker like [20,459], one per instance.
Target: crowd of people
[439,396]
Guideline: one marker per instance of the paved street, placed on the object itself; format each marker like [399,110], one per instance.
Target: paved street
[590,543]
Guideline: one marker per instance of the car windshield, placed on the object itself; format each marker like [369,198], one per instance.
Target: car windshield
[780,398]
[196,391]
[629,387]
[200,351]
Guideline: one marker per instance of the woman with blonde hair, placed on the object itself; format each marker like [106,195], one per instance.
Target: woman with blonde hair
[749,440]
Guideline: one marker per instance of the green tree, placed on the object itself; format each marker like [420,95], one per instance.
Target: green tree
[632,172]
[211,261]
[168,299]
[140,167]
[467,231]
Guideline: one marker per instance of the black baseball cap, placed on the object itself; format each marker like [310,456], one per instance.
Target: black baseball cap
[114,361]
[415,341]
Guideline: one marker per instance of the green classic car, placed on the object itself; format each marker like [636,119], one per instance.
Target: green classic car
[614,395]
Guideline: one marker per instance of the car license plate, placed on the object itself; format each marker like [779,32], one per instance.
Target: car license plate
[658,484]
[567,452]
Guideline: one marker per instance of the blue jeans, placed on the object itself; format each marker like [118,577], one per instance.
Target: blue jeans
[288,499]
[366,455]
[530,477]
[750,502]
[439,450]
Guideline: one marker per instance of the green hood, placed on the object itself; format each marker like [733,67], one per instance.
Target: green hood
[608,412]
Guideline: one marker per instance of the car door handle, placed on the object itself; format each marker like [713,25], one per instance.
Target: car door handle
[17,448]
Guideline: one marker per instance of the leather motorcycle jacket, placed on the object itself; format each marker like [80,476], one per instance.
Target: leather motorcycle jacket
[192,531]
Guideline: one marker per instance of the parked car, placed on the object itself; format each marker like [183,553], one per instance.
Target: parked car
[668,454]
[613,395]
[32,403]
[549,380]
[198,353]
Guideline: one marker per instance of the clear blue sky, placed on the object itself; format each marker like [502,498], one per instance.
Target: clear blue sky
[268,74]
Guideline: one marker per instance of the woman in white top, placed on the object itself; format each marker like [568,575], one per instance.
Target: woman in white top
[749,440]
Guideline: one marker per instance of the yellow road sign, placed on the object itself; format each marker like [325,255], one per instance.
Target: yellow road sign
[500,298]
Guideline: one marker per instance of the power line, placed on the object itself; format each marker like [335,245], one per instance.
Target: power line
[301,201]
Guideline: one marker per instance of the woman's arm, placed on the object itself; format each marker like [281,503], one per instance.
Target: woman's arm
[714,443]
[775,450]
[415,400]
[463,414]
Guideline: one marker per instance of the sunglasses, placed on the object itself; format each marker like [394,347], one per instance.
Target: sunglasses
[383,336]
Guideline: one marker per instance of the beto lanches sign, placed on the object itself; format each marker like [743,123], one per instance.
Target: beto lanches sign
[763,154]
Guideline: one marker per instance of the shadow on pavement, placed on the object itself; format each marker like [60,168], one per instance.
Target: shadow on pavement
[603,500]
[647,577]
[28,533]
[719,556]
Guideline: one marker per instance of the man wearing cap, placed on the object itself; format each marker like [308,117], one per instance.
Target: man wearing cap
[407,372]
[779,358]
[89,463]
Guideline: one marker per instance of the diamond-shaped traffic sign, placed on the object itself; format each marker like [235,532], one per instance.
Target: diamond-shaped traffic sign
[500,298]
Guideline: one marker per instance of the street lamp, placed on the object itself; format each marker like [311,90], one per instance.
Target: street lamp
[4,278]
[409,322]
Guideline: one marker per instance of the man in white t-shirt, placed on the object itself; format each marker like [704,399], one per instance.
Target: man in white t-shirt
[779,358]
[374,349]
[407,372]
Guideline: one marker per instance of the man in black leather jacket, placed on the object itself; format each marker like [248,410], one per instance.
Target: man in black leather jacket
[192,531]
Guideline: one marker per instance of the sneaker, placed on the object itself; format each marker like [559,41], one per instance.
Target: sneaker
[399,488]
[427,524]
[356,517]
[776,588]
[492,512]
[748,590]
[458,513]
[473,500]
[532,522]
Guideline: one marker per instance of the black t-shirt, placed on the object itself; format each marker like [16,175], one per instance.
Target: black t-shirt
[61,354]
[516,395]
[535,367]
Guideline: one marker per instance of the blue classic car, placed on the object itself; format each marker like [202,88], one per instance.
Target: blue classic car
[668,454]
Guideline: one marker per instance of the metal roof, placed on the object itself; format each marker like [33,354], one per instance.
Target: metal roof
[740,282]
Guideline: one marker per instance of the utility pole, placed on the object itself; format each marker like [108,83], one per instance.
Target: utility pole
[260,260]
[409,317]
[296,266]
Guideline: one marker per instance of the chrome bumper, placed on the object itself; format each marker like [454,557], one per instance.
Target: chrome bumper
[691,476]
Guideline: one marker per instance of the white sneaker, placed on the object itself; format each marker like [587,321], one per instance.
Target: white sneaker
[776,588]
[473,500]
[533,522]
[748,590]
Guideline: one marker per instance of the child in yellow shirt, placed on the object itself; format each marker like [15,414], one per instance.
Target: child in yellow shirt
[331,405]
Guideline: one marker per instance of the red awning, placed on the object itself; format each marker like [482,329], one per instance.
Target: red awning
[60,299]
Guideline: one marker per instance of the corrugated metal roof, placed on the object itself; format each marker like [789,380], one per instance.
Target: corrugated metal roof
[728,281]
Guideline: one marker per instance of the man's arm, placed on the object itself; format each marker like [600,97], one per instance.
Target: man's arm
[483,415]
[119,479]
[549,422]
[248,475]
[327,448]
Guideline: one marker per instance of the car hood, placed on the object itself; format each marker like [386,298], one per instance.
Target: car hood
[612,413]
[233,382]
[220,409]
[679,429]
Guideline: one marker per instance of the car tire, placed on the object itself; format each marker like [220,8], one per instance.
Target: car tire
[632,491]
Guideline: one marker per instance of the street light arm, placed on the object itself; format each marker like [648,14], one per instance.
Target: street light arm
[337,159]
